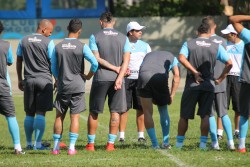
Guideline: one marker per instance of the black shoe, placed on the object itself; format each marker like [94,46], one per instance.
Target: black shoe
[236,135]
[18,152]
[122,140]
[142,140]
[219,137]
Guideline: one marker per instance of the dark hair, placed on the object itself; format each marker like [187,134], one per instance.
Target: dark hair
[209,20]
[1,27]
[204,28]
[106,17]
[74,25]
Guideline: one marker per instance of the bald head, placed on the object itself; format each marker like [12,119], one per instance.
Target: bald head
[45,27]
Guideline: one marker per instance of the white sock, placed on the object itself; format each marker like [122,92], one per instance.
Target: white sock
[220,132]
[122,135]
[56,145]
[18,147]
[71,146]
[242,143]
[236,130]
[215,144]
[140,134]
[230,142]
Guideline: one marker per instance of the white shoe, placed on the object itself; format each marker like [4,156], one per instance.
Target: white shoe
[217,148]
[231,147]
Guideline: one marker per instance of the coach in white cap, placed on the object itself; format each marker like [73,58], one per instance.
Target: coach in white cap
[139,49]
[235,47]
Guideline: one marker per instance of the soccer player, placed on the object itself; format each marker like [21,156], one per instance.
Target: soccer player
[139,49]
[112,51]
[244,104]
[153,88]
[235,48]
[220,101]
[199,56]
[7,107]
[68,69]
[35,51]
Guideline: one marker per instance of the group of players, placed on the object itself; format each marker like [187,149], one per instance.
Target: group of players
[125,69]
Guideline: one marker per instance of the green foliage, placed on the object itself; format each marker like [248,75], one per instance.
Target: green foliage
[167,8]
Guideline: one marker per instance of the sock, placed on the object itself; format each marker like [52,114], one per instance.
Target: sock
[230,142]
[220,132]
[28,127]
[165,122]
[111,138]
[243,131]
[91,138]
[212,129]
[226,122]
[203,142]
[39,127]
[122,135]
[141,135]
[151,133]
[72,140]
[57,139]
[179,141]
[236,130]
[14,131]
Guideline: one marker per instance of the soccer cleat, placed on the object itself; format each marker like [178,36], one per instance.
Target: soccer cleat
[166,146]
[231,147]
[216,148]
[46,144]
[72,152]
[122,140]
[110,147]
[90,147]
[142,140]
[243,150]
[55,152]
[41,148]
[236,134]
[18,152]
[62,145]
[156,147]
[219,137]
[29,147]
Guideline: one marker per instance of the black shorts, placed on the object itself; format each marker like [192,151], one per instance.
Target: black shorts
[76,103]
[233,92]
[245,99]
[131,94]
[220,104]
[157,89]
[190,98]
[116,98]
[38,95]
[7,107]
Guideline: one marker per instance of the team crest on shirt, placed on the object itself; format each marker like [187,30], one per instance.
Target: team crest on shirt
[110,33]
[217,41]
[203,43]
[35,39]
[68,46]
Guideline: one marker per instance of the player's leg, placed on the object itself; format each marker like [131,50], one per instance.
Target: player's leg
[165,125]
[140,125]
[219,129]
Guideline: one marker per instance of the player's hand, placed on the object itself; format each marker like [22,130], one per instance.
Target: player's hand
[117,70]
[217,82]
[127,73]
[198,78]
[118,84]
[20,85]
[171,100]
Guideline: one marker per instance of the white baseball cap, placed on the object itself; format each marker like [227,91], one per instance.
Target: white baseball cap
[133,25]
[229,29]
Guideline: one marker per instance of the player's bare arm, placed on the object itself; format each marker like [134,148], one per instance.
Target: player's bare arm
[228,66]
[236,21]
[19,65]
[175,82]
[105,63]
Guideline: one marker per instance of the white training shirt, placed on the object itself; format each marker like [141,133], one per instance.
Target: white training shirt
[138,52]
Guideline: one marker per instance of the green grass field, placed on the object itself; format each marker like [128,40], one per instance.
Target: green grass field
[130,153]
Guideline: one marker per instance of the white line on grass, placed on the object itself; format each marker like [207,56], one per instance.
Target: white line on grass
[170,156]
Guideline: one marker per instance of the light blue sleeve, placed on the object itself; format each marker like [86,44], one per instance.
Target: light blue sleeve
[19,49]
[92,43]
[54,66]
[127,47]
[175,63]
[10,56]
[245,35]
[184,50]
[89,56]
[222,54]
[51,47]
